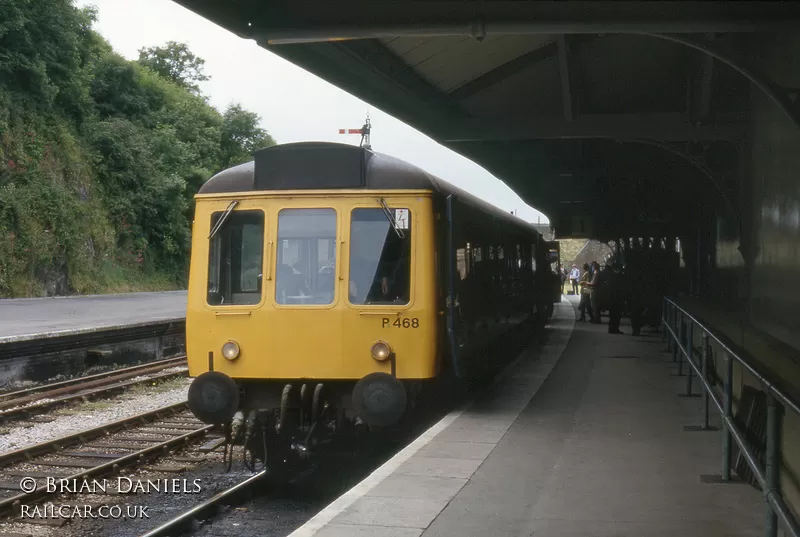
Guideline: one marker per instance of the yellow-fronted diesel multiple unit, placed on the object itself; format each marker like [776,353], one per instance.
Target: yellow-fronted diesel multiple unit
[330,285]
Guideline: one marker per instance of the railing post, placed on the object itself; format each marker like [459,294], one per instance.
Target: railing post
[668,327]
[664,319]
[773,463]
[681,343]
[727,405]
[675,343]
[689,352]
[704,368]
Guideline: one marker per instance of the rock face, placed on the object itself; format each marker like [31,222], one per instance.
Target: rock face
[55,279]
[580,251]
[593,251]
[570,248]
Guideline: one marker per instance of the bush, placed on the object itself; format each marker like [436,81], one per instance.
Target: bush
[100,157]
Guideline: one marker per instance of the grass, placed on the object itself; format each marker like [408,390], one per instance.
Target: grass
[91,406]
[118,279]
[157,387]
[106,278]
[151,388]
[97,405]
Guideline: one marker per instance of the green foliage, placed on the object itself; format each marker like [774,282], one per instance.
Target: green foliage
[241,136]
[100,157]
[175,62]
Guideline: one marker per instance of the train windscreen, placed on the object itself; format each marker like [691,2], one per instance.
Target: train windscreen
[306,256]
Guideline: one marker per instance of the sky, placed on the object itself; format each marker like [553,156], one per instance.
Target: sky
[294,104]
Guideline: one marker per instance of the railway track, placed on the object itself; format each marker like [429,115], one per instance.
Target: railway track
[102,451]
[289,507]
[24,403]
[207,509]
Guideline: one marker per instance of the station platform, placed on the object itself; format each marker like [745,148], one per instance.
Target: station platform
[30,318]
[582,435]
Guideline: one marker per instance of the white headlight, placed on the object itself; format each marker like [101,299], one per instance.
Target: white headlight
[230,350]
[381,351]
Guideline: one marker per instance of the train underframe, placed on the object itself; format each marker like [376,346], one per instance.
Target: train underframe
[285,426]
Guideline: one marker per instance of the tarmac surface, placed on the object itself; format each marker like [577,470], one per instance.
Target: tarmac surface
[24,317]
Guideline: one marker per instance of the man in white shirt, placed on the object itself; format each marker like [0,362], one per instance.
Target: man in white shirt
[574,276]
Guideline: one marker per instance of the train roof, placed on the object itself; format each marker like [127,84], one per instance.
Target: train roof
[326,165]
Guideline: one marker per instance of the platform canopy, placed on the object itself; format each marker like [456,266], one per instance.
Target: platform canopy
[612,118]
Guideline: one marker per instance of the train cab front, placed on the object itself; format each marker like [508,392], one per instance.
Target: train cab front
[310,316]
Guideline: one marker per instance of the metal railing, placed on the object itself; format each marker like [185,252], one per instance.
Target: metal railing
[676,319]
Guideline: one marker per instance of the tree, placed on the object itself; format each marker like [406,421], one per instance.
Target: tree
[175,62]
[100,157]
[241,136]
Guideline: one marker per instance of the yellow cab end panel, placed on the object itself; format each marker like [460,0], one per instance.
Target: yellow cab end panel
[208,327]
[287,335]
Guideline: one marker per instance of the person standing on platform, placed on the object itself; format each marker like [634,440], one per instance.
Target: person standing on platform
[585,303]
[594,292]
[574,276]
[616,298]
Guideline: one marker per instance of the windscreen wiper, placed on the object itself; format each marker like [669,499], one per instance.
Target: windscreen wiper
[388,214]
[223,219]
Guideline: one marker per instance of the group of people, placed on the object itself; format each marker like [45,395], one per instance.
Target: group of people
[608,289]
[573,276]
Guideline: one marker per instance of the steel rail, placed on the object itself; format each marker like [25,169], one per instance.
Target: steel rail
[28,452]
[204,510]
[111,467]
[23,411]
[84,381]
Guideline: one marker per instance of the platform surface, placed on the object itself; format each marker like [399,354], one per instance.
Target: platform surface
[583,436]
[45,316]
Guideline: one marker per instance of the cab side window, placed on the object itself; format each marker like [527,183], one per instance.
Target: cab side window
[236,258]
[380,257]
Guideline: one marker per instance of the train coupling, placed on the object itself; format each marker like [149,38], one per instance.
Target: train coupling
[249,425]
[236,425]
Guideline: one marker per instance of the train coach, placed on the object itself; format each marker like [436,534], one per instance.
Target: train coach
[331,285]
